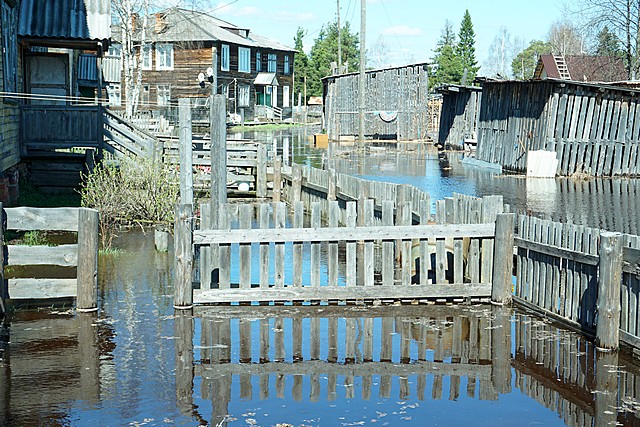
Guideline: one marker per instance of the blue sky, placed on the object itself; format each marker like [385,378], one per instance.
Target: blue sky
[410,28]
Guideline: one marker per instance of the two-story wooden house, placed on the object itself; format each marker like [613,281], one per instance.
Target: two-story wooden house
[184,50]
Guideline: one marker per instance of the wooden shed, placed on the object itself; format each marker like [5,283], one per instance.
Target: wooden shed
[396,104]
[459,116]
[591,128]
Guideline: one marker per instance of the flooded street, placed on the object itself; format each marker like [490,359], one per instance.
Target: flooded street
[137,362]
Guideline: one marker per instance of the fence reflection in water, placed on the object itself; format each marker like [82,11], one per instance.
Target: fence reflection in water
[269,351]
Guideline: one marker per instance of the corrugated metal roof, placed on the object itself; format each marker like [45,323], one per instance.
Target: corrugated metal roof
[88,71]
[181,25]
[65,19]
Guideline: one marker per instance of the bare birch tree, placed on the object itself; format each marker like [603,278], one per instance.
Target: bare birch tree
[622,17]
[565,39]
[501,53]
[133,40]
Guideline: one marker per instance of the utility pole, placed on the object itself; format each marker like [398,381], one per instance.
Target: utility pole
[339,42]
[361,85]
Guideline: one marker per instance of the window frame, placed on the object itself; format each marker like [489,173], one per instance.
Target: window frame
[9,20]
[287,65]
[224,57]
[286,95]
[146,57]
[272,63]
[258,62]
[163,88]
[244,59]
[114,92]
[162,54]
[244,95]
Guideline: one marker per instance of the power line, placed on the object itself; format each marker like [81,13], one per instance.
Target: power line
[394,31]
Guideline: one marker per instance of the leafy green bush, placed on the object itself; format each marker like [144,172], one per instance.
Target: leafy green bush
[135,190]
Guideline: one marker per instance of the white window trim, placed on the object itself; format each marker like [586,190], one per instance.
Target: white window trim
[224,57]
[274,62]
[244,95]
[160,55]
[244,58]
[114,91]
[168,100]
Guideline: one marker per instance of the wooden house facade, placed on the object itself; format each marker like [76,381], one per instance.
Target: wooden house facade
[459,116]
[396,104]
[186,52]
[593,129]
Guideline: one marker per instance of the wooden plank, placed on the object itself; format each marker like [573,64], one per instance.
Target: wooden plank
[368,246]
[29,219]
[555,251]
[315,246]
[279,220]
[224,250]
[62,255]
[343,293]
[351,246]
[264,247]
[298,222]
[332,257]
[246,215]
[348,234]
[388,255]
[42,288]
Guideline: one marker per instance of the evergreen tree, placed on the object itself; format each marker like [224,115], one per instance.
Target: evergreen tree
[448,63]
[608,44]
[465,49]
[300,64]
[524,64]
[325,51]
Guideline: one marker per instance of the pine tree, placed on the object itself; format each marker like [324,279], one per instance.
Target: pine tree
[448,62]
[524,64]
[608,43]
[465,48]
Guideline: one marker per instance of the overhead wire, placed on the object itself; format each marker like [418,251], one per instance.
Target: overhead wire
[394,31]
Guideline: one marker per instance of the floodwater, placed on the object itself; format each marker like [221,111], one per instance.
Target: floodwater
[138,362]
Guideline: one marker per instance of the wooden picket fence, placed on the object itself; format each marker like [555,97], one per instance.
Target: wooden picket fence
[558,273]
[82,255]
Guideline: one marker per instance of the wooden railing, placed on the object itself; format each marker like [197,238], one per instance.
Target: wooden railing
[82,255]
[123,137]
[51,127]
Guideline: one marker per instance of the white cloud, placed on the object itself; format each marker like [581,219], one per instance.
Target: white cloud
[402,31]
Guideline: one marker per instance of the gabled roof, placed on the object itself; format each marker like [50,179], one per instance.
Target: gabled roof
[181,25]
[584,68]
[266,79]
[78,21]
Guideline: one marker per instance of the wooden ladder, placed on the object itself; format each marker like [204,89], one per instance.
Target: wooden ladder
[562,67]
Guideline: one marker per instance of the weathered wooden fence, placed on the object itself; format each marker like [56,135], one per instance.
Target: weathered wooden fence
[581,276]
[247,162]
[421,348]
[83,255]
[396,103]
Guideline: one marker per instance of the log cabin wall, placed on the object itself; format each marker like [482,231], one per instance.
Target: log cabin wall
[396,104]
[458,116]
[591,127]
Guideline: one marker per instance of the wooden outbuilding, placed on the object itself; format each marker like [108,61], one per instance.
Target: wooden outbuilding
[592,128]
[396,103]
[459,116]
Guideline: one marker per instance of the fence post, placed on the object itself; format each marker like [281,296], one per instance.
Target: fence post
[218,155]
[296,183]
[277,179]
[609,279]
[333,184]
[182,287]
[87,260]
[503,259]
[186,152]
[261,172]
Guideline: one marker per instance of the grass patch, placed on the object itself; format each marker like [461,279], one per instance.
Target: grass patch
[110,251]
[266,126]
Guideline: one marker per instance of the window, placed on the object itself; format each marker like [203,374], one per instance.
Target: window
[164,94]
[287,68]
[244,60]
[258,62]
[285,96]
[271,65]
[115,96]
[243,95]
[9,47]
[144,95]
[115,50]
[146,57]
[164,56]
[224,57]
[224,90]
